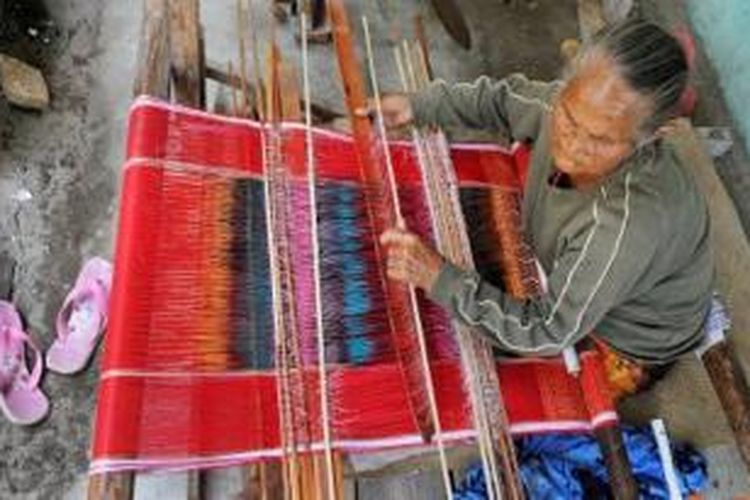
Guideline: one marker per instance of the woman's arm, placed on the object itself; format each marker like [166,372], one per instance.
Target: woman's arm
[514,105]
[597,269]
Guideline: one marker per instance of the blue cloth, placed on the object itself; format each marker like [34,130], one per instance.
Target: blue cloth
[571,466]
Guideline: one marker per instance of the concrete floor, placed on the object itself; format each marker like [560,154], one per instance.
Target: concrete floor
[59,174]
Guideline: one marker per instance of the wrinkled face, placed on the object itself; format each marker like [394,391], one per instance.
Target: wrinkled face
[595,121]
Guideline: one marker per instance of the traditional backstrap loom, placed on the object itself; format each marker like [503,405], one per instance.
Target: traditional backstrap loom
[251,319]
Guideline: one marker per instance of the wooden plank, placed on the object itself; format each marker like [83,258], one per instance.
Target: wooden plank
[152,72]
[111,486]
[185,52]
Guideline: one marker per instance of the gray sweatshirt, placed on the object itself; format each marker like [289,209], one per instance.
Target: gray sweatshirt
[629,260]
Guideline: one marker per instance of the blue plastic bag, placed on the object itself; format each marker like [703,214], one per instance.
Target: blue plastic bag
[571,466]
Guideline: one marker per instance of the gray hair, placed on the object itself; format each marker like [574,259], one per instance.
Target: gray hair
[651,61]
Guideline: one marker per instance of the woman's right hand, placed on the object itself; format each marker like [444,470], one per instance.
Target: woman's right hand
[396,110]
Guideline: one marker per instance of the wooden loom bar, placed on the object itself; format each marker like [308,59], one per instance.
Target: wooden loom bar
[356,99]
[490,417]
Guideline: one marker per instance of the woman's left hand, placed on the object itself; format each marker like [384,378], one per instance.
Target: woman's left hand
[410,260]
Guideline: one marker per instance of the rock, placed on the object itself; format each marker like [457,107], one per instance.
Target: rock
[23,85]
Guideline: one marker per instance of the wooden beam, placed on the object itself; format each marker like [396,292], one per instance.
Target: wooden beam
[185,52]
[152,72]
[111,486]
[405,336]
[350,69]
[731,388]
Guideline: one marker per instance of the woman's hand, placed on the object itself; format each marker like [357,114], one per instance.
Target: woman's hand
[396,110]
[410,260]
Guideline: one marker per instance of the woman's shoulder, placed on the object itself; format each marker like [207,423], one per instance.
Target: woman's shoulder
[661,187]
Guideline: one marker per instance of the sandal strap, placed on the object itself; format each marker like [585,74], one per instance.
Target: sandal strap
[6,345]
[100,296]
[36,371]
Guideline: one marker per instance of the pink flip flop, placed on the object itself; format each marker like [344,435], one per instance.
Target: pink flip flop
[21,400]
[82,319]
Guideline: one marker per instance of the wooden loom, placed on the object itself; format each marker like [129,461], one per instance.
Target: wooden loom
[171,32]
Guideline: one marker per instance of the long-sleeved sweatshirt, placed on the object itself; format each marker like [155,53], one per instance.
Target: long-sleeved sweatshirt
[630,259]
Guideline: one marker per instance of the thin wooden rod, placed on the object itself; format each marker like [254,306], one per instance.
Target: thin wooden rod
[426,373]
[241,13]
[319,327]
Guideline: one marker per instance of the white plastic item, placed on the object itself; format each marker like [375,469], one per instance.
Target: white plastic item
[665,454]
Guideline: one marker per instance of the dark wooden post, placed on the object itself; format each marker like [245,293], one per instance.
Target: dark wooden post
[593,382]
[185,52]
[152,71]
[731,387]
[621,479]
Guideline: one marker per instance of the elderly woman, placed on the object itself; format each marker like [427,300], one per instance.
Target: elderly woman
[616,223]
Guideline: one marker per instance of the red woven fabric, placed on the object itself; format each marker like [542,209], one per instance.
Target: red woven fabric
[156,411]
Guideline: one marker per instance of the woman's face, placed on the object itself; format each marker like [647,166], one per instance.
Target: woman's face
[595,122]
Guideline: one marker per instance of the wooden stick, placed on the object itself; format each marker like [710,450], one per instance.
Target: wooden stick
[425,363]
[356,99]
[241,17]
[488,408]
[152,73]
[422,41]
[319,327]
[621,479]
[412,84]
[260,90]
[233,90]
[111,486]
[184,35]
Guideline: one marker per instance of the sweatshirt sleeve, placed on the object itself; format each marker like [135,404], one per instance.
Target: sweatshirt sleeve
[598,267]
[514,105]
